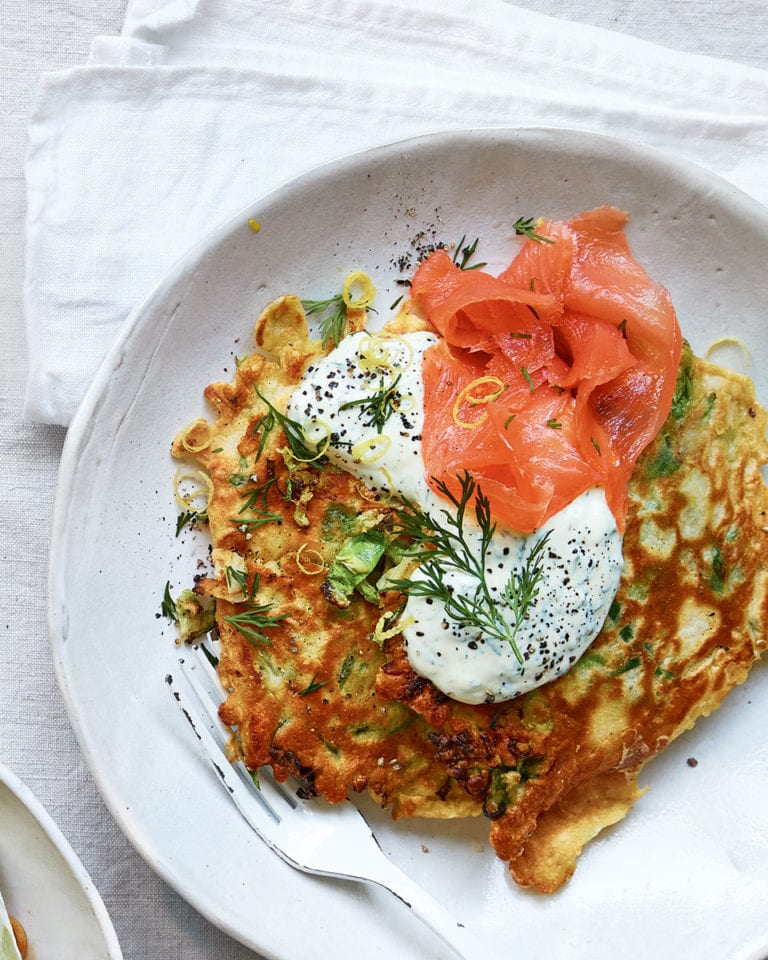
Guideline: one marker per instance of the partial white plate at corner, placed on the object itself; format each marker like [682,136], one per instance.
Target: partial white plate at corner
[44,884]
[685,873]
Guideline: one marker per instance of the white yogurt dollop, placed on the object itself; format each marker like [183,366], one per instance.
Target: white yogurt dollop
[390,461]
[581,568]
[580,563]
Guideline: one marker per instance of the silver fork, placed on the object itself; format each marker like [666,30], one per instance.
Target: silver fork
[332,840]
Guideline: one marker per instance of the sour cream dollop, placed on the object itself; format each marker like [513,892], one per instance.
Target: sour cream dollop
[580,562]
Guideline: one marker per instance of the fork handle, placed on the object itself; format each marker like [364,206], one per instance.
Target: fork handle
[464,942]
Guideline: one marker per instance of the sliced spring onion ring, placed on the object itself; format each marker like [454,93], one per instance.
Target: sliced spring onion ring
[730,352]
[309,560]
[372,449]
[468,396]
[197,436]
[365,288]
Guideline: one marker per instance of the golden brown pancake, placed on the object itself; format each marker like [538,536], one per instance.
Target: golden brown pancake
[301,693]
[324,691]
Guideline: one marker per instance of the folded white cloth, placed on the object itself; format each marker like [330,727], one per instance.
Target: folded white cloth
[201,106]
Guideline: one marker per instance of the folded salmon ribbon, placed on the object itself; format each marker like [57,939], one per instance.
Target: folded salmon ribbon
[552,377]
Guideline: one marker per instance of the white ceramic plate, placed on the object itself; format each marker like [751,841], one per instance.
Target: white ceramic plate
[685,874]
[45,886]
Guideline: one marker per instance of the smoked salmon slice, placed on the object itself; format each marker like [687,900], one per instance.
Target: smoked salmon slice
[550,378]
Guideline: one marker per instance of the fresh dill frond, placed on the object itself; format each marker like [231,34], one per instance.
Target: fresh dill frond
[252,497]
[314,684]
[240,577]
[441,546]
[528,379]
[522,588]
[294,433]
[526,227]
[255,501]
[210,657]
[332,314]
[380,406]
[252,622]
[260,520]
[168,605]
[464,253]
[188,517]
[262,428]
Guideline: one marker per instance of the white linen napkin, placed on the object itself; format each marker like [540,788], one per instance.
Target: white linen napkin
[201,106]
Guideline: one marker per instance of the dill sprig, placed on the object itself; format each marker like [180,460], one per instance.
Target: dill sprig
[314,684]
[188,517]
[210,657]
[526,227]
[240,577]
[332,314]
[522,588]
[260,520]
[300,447]
[466,251]
[528,379]
[255,501]
[168,605]
[252,621]
[442,546]
[251,497]
[262,428]
[380,406]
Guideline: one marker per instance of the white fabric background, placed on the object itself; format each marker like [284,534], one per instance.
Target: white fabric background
[201,104]
[35,737]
